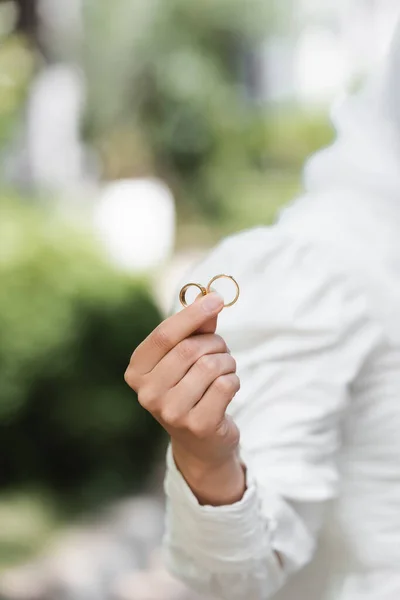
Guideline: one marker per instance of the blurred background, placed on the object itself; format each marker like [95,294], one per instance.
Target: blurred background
[133,136]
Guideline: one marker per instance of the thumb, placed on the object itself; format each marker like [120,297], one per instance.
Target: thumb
[210,326]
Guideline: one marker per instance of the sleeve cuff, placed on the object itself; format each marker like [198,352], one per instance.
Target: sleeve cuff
[215,533]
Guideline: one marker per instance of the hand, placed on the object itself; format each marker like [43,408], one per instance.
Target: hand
[185,377]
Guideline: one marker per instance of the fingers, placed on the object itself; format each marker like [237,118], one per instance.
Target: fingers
[191,389]
[207,417]
[174,330]
[174,366]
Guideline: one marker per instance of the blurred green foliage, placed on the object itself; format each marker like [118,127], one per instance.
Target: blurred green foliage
[16,70]
[68,324]
[182,109]
[254,196]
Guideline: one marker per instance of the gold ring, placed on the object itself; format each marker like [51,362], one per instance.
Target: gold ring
[182,293]
[208,289]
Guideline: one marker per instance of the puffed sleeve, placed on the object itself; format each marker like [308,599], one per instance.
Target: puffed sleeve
[300,334]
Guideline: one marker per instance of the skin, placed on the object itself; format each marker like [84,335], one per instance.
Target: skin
[185,377]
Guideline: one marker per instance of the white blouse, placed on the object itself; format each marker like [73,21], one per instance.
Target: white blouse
[316,335]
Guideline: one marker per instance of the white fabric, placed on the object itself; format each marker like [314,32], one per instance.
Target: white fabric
[316,334]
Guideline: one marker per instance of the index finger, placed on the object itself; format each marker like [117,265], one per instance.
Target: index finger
[175,329]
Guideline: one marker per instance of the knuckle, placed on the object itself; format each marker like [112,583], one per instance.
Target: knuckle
[220,342]
[208,364]
[128,377]
[172,416]
[187,349]
[227,385]
[235,383]
[131,378]
[199,429]
[148,399]
[223,385]
[232,363]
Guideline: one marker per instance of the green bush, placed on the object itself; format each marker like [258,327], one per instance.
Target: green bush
[68,324]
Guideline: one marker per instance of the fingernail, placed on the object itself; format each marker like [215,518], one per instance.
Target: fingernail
[212,302]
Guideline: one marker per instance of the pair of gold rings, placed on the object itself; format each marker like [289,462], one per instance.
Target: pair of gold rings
[206,290]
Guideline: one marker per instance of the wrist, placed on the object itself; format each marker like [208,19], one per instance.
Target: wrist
[216,483]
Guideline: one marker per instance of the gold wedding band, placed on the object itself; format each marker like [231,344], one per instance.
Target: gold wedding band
[182,293]
[206,290]
[236,298]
